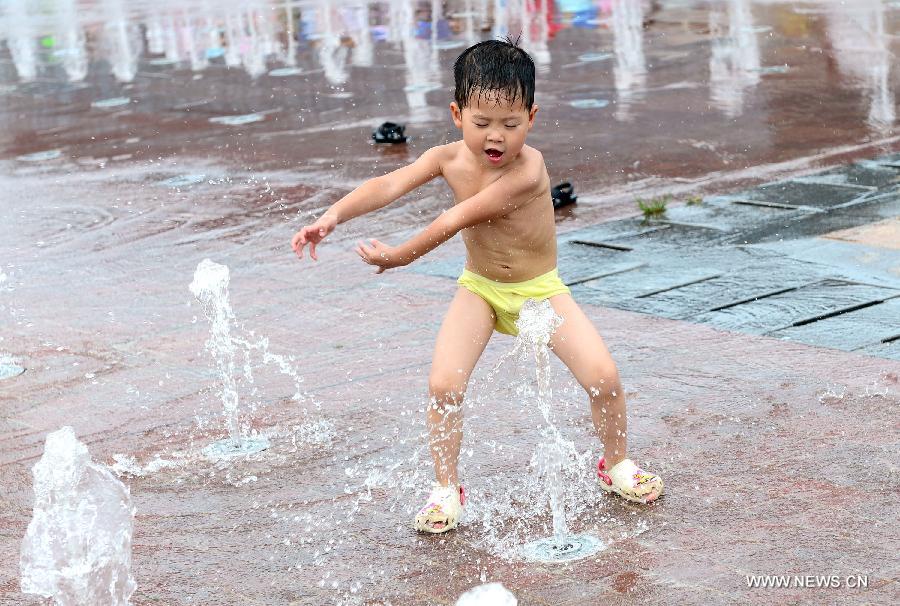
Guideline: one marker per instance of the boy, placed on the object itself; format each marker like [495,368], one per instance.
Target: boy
[504,212]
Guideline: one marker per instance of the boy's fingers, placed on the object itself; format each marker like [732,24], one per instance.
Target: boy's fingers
[312,251]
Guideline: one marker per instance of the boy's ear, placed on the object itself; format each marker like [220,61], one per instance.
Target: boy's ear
[456,114]
[531,114]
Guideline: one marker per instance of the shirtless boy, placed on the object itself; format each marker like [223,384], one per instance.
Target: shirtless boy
[504,212]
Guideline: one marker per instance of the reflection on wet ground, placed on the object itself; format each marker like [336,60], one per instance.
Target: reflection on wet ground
[632,94]
[138,138]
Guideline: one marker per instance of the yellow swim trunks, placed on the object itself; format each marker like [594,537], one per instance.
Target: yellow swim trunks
[507,298]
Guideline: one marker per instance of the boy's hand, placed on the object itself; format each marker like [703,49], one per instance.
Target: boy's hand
[381,255]
[312,235]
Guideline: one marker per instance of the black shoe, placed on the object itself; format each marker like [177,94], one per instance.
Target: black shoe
[563,194]
[389,133]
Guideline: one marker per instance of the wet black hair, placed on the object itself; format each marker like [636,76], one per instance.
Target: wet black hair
[495,66]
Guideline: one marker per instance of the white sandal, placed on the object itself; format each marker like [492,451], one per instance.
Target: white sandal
[629,481]
[443,510]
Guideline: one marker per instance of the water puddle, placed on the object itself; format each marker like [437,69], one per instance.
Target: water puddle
[111,103]
[592,57]
[42,156]
[9,366]
[238,120]
[183,180]
[570,548]
[228,448]
[589,103]
[283,72]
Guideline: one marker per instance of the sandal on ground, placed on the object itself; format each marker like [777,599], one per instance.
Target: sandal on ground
[443,510]
[629,481]
[563,194]
[390,133]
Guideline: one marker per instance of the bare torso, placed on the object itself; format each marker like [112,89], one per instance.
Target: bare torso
[515,247]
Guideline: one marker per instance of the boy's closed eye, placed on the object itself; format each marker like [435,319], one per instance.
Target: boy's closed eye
[485,125]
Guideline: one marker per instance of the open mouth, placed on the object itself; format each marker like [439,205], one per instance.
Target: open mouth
[494,154]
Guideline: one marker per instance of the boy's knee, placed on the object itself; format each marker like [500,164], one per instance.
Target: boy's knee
[446,390]
[602,380]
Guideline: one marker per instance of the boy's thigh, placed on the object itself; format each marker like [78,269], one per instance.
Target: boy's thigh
[464,333]
[578,344]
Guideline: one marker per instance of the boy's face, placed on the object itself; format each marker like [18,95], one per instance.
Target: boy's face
[493,129]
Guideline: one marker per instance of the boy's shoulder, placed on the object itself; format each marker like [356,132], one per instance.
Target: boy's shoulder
[531,171]
[447,151]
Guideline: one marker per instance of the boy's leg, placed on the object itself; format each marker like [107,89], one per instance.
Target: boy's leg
[466,329]
[578,344]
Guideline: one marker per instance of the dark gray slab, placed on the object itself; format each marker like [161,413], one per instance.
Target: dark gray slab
[795,307]
[578,263]
[849,261]
[804,225]
[445,268]
[663,235]
[641,281]
[869,326]
[890,350]
[863,174]
[892,160]
[723,215]
[743,284]
[885,201]
[796,193]
[612,231]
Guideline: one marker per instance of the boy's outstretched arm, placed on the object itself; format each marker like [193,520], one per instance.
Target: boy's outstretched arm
[499,198]
[373,194]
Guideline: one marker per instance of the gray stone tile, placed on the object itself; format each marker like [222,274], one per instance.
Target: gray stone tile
[743,284]
[804,225]
[579,263]
[662,235]
[641,281]
[723,215]
[847,260]
[865,327]
[862,174]
[795,307]
[892,160]
[890,350]
[611,231]
[796,193]
[445,268]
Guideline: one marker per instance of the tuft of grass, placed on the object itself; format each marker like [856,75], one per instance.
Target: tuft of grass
[693,200]
[654,206]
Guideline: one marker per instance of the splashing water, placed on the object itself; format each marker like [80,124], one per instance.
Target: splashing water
[555,457]
[506,509]
[536,323]
[489,594]
[210,287]
[77,549]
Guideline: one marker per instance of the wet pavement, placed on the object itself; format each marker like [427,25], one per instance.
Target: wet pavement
[755,330]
